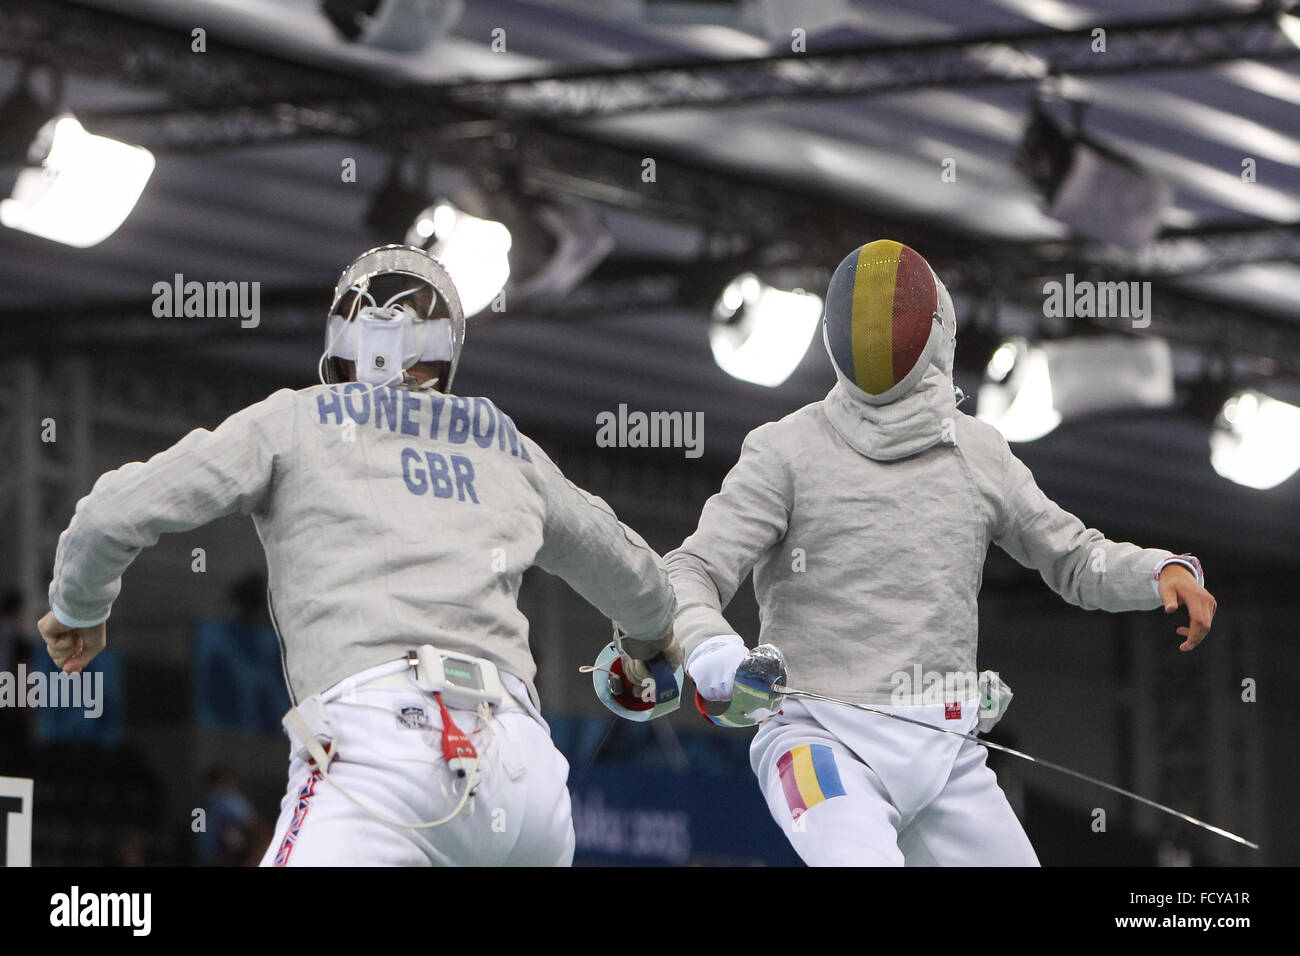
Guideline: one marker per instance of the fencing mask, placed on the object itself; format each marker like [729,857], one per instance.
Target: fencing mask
[886,314]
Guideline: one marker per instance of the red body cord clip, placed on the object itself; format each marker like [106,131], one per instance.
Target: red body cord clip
[457,749]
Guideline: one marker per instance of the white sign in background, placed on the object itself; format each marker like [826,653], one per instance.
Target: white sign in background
[16,821]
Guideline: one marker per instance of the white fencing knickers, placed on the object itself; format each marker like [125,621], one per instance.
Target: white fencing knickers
[390,758]
[850,788]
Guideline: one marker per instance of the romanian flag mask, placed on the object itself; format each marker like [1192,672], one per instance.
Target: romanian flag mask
[886,312]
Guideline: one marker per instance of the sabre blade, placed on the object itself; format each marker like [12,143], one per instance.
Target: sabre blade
[1078,775]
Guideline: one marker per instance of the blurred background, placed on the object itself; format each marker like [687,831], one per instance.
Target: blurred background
[644,200]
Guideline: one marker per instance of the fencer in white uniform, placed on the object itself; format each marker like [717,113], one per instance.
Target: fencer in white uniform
[397,520]
[866,518]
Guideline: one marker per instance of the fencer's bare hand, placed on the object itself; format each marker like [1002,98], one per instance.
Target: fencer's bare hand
[1178,588]
[71,648]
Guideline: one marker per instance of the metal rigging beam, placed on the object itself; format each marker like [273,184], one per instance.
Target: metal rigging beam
[960,62]
[231,97]
[875,69]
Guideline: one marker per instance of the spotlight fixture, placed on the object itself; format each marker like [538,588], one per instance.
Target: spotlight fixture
[1016,397]
[557,246]
[71,186]
[1029,389]
[760,334]
[79,187]
[1289,23]
[1096,191]
[1256,440]
[475,251]
[486,235]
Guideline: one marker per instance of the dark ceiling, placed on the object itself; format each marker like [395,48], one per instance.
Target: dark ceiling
[755,164]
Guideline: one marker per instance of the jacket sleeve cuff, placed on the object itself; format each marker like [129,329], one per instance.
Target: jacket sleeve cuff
[67,620]
[1188,561]
[642,649]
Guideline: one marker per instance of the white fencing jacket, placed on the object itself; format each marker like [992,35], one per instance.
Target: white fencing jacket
[389,518]
[867,526]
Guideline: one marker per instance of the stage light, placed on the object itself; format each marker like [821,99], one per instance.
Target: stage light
[1030,389]
[557,246]
[77,188]
[1090,187]
[486,236]
[1289,23]
[1256,440]
[760,334]
[475,251]
[1016,397]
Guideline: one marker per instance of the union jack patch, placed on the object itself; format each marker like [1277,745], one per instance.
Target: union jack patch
[299,816]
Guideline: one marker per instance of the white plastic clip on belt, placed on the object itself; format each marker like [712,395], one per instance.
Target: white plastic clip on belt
[311,736]
[462,680]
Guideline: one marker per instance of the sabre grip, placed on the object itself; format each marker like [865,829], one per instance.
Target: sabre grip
[665,679]
[625,695]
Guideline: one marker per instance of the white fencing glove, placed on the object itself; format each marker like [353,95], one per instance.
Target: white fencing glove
[713,665]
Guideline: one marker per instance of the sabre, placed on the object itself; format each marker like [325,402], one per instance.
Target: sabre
[783,690]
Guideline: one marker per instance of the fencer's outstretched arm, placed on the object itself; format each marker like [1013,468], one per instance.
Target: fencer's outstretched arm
[1084,566]
[204,476]
[606,562]
[737,526]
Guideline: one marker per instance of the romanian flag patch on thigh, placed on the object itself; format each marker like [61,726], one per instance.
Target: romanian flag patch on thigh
[808,777]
